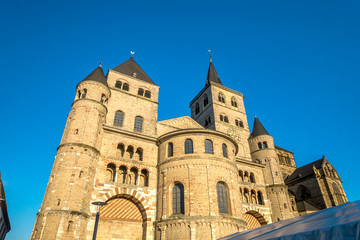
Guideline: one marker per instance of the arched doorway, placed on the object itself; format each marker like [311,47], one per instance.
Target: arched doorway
[254,219]
[122,218]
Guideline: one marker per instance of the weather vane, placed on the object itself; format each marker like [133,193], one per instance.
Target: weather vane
[210,55]
[132,54]
[100,64]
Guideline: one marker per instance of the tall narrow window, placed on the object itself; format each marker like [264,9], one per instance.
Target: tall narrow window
[233,102]
[189,146]
[118,84]
[170,149]
[147,94]
[224,150]
[260,145]
[221,118]
[252,177]
[178,199]
[209,146]
[123,174]
[144,178]
[265,145]
[83,93]
[139,154]
[125,87]
[119,118]
[226,119]
[141,92]
[221,98]
[260,198]
[241,124]
[110,172]
[197,108]
[207,121]
[222,197]
[138,124]
[206,100]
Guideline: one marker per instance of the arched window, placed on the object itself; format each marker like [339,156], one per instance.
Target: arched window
[209,146]
[197,108]
[170,149]
[119,118]
[246,176]
[224,150]
[141,92]
[178,199]
[138,124]
[83,93]
[144,178]
[121,149]
[233,102]
[241,124]
[260,145]
[260,198]
[133,176]
[207,121]
[222,197]
[118,84]
[110,172]
[125,87]
[253,197]
[206,100]
[130,152]
[241,175]
[189,146]
[265,145]
[246,195]
[221,118]
[252,177]
[337,194]
[103,99]
[147,94]
[226,119]
[221,98]
[139,154]
[122,173]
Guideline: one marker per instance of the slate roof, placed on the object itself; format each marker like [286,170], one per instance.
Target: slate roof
[130,67]
[258,129]
[212,75]
[97,75]
[305,171]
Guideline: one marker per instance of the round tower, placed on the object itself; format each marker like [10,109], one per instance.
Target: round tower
[262,149]
[65,209]
[198,191]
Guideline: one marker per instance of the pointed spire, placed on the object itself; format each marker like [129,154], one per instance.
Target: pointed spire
[258,128]
[132,69]
[97,75]
[212,74]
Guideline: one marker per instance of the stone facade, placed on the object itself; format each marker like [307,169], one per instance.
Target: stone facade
[202,177]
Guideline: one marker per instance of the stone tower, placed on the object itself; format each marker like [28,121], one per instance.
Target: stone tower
[64,213]
[222,109]
[263,150]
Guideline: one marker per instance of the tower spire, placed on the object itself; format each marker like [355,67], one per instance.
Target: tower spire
[212,74]
[258,128]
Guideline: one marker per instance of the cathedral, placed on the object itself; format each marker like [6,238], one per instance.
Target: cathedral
[200,177]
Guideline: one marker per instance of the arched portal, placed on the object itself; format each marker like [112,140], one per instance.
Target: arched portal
[122,218]
[254,219]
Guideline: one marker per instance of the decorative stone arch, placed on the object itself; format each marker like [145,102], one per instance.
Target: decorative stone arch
[131,194]
[254,219]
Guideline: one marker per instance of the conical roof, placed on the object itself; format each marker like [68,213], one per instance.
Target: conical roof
[97,75]
[258,129]
[132,69]
[212,75]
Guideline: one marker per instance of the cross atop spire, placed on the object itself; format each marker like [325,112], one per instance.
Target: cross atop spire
[132,54]
[212,74]
[210,55]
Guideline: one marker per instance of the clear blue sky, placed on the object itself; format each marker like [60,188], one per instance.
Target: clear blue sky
[296,62]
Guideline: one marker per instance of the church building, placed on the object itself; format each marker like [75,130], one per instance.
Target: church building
[200,177]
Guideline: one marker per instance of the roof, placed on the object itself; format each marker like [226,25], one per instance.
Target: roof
[258,129]
[282,149]
[212,75]
[132,69]
[97,75]
[305,171]
[340,222]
